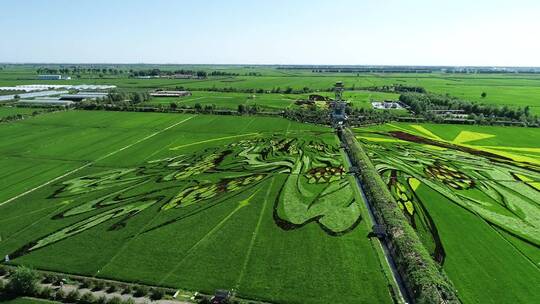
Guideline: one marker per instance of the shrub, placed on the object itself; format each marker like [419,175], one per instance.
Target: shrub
[23,282]
[73,296]
[127,290]
[129,301]
[112,288]
[48,278]
[3,271]
[52,279]
[46,293]
[141,291]
[101,300]
[85,283]
[2,286]
[57,280]
[88,298]
[204,300]
[98,286]
[115,300]
[157,294]
[60,295]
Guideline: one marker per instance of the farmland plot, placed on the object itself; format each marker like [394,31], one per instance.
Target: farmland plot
[261,205]
[472,195]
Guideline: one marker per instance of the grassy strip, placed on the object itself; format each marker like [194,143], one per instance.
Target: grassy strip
[423,279]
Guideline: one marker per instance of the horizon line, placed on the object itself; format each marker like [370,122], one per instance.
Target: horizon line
[276,64]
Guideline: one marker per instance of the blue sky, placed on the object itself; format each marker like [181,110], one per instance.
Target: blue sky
[388,32]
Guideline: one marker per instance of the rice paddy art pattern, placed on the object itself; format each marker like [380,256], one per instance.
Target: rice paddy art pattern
[315,190]
[499,187]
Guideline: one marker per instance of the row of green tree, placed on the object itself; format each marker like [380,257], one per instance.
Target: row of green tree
[394,88]
[428,104]
[79,70]
[211,108]
[362,116]
[199,108]
[274,90]
[117,98]
[129,97]
[224,73]
[369,116]
[311,114]
[197,73]
[158,72]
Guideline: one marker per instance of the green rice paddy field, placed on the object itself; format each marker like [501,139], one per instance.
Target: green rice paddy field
[263,205]
[358,99]
[472,193]
[502,89]
[260,205]
[230,100]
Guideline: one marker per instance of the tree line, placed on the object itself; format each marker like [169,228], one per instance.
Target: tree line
[158,72]
[79,70]
[117,98]
[394,88]
[274,90]
[195,73]
[311,114]
[428,104]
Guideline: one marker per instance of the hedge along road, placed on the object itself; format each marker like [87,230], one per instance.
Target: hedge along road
[96,160]
[402,290]
[424,281]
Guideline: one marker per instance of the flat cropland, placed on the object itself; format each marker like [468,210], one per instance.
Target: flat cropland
[472,194]
[266,206]
[358,99]
[261,205]
[514,91]
[230,100]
